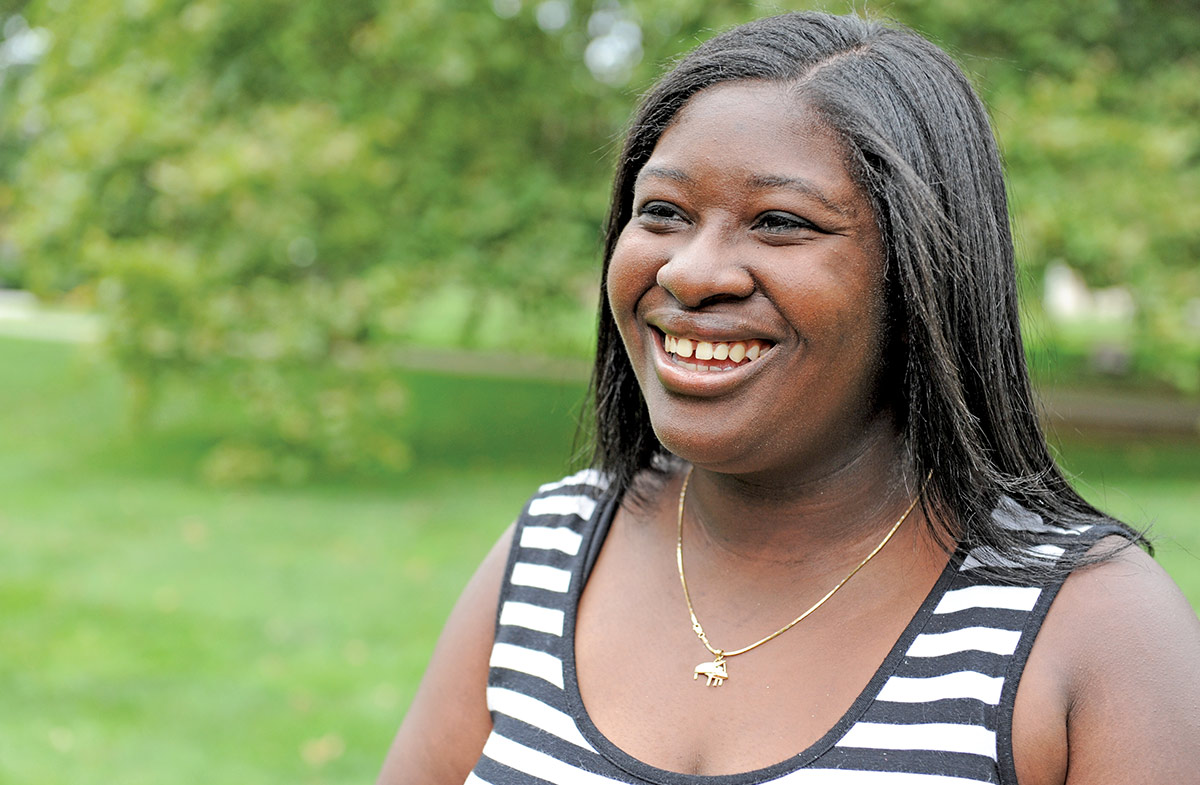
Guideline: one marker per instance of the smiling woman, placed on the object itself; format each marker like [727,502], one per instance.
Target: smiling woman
[818,470]
[749,232]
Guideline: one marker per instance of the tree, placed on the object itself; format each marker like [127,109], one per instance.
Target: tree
[268,198]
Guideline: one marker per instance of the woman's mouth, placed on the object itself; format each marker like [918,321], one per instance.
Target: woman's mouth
[707,355]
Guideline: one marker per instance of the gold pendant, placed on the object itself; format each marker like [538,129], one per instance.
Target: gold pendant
[715,671]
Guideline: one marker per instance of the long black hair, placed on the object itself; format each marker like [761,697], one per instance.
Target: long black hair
[920,145]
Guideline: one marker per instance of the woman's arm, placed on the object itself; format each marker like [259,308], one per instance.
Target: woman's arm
[1134,714]
[1124,645]
[445,728]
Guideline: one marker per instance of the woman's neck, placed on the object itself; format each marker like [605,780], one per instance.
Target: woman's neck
[792,518]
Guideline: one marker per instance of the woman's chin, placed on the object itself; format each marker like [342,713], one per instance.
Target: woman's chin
[727,453]
[769,455]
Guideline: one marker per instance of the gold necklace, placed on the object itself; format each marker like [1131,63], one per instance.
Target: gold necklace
[716,671]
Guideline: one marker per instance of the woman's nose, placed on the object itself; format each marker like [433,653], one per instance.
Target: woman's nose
[705,269]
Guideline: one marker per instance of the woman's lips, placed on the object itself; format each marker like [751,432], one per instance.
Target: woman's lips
[697,354]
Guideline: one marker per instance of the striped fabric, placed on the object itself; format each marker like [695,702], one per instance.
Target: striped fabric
[938,711]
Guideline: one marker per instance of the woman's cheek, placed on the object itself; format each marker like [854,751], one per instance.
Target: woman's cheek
[629,276]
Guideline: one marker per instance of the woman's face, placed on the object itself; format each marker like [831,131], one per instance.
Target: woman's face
[748,289]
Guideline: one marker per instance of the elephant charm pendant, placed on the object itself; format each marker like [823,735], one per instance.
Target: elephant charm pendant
[715,671]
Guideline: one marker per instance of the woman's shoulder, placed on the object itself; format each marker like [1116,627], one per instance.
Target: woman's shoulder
[1116,661]
[448,720]
[564,508]
[1123,615]
[565,494]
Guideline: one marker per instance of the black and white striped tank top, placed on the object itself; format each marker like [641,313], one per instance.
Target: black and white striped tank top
[937,712]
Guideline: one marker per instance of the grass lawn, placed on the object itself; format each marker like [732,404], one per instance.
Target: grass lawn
[158,629]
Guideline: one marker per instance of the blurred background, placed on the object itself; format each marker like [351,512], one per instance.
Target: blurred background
[296,301]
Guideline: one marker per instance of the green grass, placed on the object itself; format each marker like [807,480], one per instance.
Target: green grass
[160,630]
[1153,485]
[157,629]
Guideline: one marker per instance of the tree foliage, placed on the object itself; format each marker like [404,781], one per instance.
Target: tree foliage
[268,198]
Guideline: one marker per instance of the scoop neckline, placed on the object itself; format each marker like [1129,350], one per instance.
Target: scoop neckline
[653,774]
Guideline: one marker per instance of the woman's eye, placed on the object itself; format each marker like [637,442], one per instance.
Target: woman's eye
[660,212]
[777,222]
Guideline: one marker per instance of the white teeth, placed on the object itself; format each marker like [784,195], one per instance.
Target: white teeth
[707,350]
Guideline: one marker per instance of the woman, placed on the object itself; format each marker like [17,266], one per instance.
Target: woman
[824,531]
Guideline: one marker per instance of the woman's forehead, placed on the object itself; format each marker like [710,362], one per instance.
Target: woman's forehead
[754,135]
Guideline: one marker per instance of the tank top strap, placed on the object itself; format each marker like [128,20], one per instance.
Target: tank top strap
[938,710]
[532,726]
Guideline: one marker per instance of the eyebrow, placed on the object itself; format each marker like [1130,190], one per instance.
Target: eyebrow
[797,184]
[662,171]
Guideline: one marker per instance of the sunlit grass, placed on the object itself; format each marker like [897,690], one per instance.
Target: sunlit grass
[158,629]
[161,630]
[1153,486]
